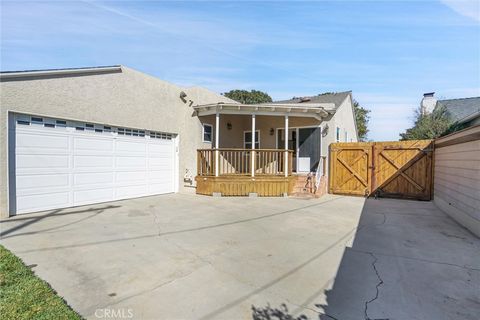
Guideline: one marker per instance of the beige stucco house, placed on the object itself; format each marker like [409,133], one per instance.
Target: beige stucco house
[72,137]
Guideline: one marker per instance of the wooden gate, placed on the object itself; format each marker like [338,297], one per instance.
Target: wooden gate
[351,168]
[400,169]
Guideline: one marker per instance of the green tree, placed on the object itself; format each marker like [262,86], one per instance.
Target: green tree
[362,118]
[430,125]
[248,97]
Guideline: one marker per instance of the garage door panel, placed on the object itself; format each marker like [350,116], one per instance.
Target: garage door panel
[131,177]
[160,188]
[57,167]
[81,197]
[45,201]
[160,148]
[93,178]
[159,174]
[155,183]
[41,162]
[129,147]
[86,144]
[35,141]
[131,191]
[131,162]
[93,161]
[43,181]
[160,163]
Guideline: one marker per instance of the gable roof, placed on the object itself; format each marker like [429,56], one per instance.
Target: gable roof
[335,98]
[461,110]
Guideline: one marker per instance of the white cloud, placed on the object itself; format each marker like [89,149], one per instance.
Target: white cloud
[467,8]
[390,115]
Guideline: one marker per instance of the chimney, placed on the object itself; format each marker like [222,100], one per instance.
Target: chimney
[428,102]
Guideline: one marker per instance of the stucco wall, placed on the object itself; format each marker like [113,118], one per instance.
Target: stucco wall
[457,182]
[128,98]
[345,120]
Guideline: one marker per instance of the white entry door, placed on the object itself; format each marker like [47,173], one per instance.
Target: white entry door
[61,163]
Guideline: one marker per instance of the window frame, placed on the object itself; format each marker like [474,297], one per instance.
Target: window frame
[257,139]
[203,132]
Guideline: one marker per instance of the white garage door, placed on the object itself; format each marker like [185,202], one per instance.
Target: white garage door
[61,163]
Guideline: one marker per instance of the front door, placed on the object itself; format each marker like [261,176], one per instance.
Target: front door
[306,146]
[292,144]
[308,149]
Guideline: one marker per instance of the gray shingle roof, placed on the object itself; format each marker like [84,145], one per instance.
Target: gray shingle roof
[335,98]
[459,109]
[60,69]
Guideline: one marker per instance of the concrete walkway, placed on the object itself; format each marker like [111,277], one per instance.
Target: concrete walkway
[192,257]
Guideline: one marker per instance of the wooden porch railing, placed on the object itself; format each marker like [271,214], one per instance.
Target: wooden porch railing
[239,162]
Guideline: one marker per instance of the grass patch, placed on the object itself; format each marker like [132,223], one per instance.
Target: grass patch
[25,296]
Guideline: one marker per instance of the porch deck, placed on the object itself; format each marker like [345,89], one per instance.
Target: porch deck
[240,172]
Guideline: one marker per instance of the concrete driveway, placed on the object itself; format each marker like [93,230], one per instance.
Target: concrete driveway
[192,257]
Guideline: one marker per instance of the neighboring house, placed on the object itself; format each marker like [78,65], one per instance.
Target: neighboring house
[90,135]
[464,111]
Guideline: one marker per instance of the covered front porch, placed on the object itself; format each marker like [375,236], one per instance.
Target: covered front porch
[260,149]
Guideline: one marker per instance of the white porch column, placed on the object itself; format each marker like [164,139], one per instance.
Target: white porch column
[286,146]
[217,141]
[253,146]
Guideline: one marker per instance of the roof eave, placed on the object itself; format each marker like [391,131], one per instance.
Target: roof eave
[262,109]
[469,117]
[58,72]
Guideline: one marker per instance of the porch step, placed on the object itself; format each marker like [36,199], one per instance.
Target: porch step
[303,188]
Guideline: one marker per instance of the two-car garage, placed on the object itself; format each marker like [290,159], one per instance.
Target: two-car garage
[58,163]
[79,136]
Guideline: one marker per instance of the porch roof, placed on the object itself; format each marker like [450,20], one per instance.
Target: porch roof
[315,110]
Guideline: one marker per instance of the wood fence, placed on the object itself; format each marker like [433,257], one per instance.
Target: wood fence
[400,169]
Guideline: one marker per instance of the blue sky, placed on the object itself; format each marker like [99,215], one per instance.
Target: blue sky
[388,53]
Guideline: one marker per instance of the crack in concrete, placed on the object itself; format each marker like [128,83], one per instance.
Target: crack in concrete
[384,219]
[155,287]
[326,314]
[380,282]
[155,220]
[190,252]
[418,259]
[208,262]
